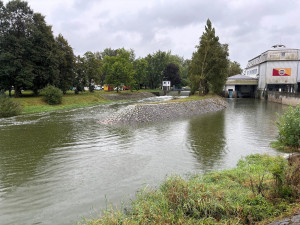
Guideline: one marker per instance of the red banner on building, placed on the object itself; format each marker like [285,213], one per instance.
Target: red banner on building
[282,72]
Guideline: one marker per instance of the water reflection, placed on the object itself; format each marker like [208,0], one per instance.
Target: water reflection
[207,140]
[251,122]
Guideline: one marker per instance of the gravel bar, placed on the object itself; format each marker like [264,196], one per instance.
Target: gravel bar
[141,113]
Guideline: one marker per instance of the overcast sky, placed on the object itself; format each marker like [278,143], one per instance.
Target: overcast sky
[249,27]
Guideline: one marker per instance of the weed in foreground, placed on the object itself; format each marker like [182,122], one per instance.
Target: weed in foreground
[254,191]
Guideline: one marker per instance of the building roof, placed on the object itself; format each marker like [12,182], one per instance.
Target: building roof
[277,47]
[241,80]
[241,77]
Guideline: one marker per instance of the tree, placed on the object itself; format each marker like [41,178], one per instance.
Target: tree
[102,55]
[15,43]
[44,59]
[140,73]
[118,69]
[92,69]
[209,65]
[156,66]
[171,73]
[109,52]
[185,72]
[80,80]
[66,64]
[30,57]
[234,68]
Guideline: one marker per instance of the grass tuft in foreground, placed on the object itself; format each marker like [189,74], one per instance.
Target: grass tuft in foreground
[259,188]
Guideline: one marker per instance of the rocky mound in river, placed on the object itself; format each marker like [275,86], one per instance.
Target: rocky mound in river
[165,111]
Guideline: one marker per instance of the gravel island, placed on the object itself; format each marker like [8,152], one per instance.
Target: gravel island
[141,113]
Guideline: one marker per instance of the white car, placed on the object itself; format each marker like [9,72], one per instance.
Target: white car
[120,88]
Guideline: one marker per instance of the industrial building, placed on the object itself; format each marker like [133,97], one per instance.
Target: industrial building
[277,69]
[274,71]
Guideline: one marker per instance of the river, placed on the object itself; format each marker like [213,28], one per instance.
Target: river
[58,167]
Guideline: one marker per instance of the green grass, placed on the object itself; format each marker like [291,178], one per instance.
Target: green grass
[248,194]
[70,101]
[35,104]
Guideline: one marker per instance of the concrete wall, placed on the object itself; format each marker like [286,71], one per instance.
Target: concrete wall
[262,76]
[227,87]
[284,98]
[289,54]
[270,79]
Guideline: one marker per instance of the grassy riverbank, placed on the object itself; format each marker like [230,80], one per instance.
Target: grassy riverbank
[32,104]
[69,101]
[260,188]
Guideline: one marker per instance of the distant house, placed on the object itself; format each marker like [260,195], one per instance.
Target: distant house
[166,85]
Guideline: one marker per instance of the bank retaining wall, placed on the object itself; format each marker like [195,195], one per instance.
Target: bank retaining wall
[284,98]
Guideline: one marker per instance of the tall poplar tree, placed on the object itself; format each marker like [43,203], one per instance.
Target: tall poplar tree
[209,65]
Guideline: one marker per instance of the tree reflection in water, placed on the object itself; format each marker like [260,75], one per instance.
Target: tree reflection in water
[207,140]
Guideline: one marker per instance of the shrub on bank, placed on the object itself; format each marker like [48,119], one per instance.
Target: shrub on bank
[289,128]
[52,95]
[8,107]
[245,195]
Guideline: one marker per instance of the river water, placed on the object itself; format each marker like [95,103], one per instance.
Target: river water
[56,168]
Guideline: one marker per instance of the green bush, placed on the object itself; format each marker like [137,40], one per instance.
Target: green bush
[8,107]
[289,127]
[52,95]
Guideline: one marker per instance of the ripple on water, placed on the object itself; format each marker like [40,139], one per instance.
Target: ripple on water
[55,167]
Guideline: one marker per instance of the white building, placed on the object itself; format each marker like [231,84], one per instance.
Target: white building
[166,85]
[277,69]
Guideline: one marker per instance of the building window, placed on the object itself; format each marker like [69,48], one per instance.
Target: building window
[283,54]
[251,72]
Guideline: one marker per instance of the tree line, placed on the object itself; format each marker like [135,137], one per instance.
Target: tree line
[32,58]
